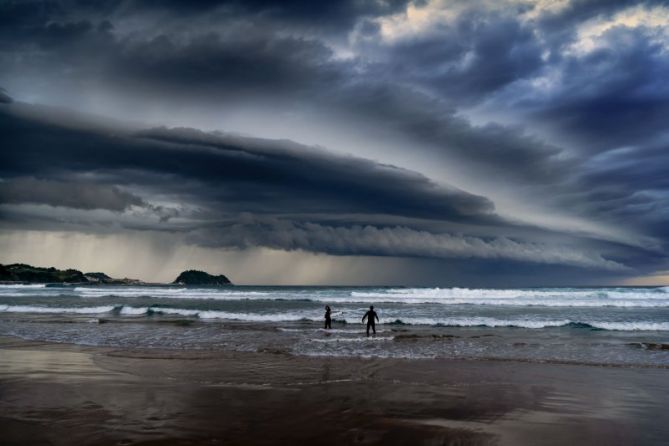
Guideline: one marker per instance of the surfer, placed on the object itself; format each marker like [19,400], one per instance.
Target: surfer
[371,317]
[328,318]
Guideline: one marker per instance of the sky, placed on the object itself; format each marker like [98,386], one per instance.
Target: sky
[478,143]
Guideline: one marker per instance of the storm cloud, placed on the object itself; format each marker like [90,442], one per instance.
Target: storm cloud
[393,241]
[73,195]
[240,192]
[521,132]
[237,172]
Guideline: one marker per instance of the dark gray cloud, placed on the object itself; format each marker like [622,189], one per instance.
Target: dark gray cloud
[276,176]
[4,97]
[629,186]
[249,62]
[505,151]
[477,54]
[79,195]
[392,241]
[592,142]
[240,192]
[226,67]
[612,96]
[315,15]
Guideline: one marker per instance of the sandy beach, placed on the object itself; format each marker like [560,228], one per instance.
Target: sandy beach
[60,394]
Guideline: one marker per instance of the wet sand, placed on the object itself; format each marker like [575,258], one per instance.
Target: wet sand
[57,394]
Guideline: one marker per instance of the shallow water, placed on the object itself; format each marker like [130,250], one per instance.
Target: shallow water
[588,325]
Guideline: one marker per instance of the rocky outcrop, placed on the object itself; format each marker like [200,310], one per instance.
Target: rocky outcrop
[194,277]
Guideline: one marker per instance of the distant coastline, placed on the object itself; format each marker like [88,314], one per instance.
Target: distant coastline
[21,273]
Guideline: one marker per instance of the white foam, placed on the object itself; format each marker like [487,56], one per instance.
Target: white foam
[134,310]
[40,309]
[355,340]
[179,311]
[20,290]
[21,286]
[559,297]
[612,297]
[316,317]
[245,317]
[255,317]
[631,326]
[168,292]
[323,330]
[450,322]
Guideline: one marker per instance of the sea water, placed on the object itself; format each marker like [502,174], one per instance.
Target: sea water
[617,326]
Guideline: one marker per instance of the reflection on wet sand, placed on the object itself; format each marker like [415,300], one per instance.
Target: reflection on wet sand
[59,394]
[56,365]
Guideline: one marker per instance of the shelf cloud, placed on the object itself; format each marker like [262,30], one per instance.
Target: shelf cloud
[523,135]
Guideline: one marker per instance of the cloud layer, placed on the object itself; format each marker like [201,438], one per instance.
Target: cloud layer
[524,132]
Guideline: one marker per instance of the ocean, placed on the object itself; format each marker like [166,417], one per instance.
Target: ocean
[609,326]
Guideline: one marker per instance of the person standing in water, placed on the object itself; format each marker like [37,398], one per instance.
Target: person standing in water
[328,318]
[371,317]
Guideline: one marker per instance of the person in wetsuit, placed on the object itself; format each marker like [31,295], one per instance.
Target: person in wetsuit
[328,318]
[371,317]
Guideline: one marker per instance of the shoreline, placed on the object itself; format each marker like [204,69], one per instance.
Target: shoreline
[66,394]
[184,353]
[564,345]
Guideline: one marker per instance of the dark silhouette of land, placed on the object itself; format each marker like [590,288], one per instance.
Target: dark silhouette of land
[20,273]
[195,277]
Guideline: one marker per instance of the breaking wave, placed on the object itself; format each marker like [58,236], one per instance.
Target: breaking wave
[315,316]
[22,286]
[168,292]
[611,297]
[657,297]
[55,310]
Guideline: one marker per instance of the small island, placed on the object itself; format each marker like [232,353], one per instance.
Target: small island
[27,274]
[195,277]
